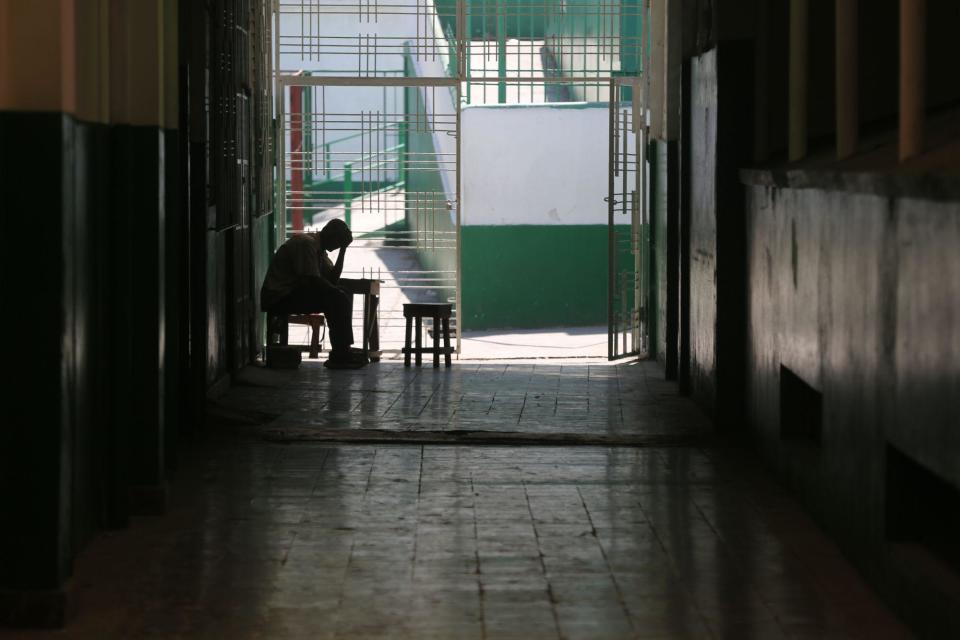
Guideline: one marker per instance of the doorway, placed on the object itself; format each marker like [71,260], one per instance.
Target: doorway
[489,161]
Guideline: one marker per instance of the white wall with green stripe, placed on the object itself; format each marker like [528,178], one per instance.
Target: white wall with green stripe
[534,226]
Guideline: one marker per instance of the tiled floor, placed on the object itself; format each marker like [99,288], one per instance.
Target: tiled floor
[324,540]
[629,401]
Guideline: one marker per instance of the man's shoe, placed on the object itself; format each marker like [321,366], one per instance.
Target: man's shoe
[346,360]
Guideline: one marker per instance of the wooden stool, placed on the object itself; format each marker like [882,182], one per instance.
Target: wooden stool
[440,312]
[279,323]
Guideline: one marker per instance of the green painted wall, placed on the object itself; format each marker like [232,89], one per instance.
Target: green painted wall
[530,19]
[529,276]
[264,240]
[41,352]
[522,18]
[86,416]
[580,37]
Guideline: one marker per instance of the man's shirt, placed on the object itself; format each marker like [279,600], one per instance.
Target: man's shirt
[300,257]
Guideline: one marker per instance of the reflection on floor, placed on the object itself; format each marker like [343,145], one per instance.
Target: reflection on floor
[537,344]
[324,540]
[595,401]
[585,344]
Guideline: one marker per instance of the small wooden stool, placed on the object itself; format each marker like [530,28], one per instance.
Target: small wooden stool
[278,323]
[440,312]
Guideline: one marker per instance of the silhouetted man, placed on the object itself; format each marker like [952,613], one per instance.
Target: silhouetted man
[302,279]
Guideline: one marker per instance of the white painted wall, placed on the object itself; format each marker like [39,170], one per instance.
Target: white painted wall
[534,165]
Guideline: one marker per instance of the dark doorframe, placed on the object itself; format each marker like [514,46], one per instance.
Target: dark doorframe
[682,180]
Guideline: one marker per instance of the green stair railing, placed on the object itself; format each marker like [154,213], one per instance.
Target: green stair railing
[319,190]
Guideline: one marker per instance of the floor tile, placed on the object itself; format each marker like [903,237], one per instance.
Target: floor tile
[315,539]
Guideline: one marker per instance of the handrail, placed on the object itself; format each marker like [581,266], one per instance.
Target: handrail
[347,174]
[327,159]
[357,135]
[364,158]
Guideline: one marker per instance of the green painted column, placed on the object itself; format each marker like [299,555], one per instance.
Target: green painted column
[654,240]
[501,51]
[140,212]
[631,26]
[468,39]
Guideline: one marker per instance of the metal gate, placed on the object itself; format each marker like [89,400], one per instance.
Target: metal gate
[369,132]
[387,159]
[628,223]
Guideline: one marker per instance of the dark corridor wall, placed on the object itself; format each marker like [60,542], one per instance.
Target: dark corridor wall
[719,129]
[818,299]
[856,293]
[137,204]
[227,114]
[704,101]
[85,214]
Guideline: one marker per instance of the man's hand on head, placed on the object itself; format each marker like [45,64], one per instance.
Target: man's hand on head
[344,243]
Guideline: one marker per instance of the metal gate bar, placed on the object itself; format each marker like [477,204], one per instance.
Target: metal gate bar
[628,223]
